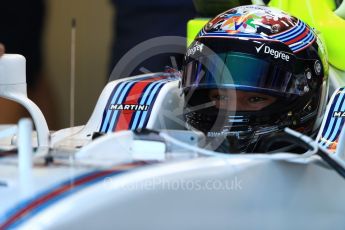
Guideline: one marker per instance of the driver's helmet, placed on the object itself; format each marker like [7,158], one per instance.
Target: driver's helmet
[251,72]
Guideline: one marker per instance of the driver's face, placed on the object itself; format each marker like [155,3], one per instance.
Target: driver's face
[236,100]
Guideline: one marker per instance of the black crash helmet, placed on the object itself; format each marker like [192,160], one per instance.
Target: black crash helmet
[251,72]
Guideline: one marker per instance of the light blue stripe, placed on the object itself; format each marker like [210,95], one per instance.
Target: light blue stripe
[70,192]
[296,28]
[234,35]
[304,42]
[294,35]
[337,126]
[152,95]
[142,101]
[104,126]
[329,128]
[307,38]
[112,122]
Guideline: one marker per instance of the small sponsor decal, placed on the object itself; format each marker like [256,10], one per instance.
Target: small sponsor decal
[339,114]
[197,47]
[216,134]
[128,107]
[223,133]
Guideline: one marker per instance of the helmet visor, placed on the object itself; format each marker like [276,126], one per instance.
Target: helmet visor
[243,71]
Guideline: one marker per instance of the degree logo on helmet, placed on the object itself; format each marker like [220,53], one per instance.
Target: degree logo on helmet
[275,53]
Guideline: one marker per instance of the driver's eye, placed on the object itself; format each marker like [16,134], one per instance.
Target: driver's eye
[256,99]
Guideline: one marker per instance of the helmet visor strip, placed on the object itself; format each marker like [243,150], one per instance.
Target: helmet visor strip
[247,65]
[245,72]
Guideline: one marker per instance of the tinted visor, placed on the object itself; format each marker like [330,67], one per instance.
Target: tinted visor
[243,71]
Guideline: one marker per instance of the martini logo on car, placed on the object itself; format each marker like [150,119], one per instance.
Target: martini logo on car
[339,114]
[275,53]
[197,47]
[129,107]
